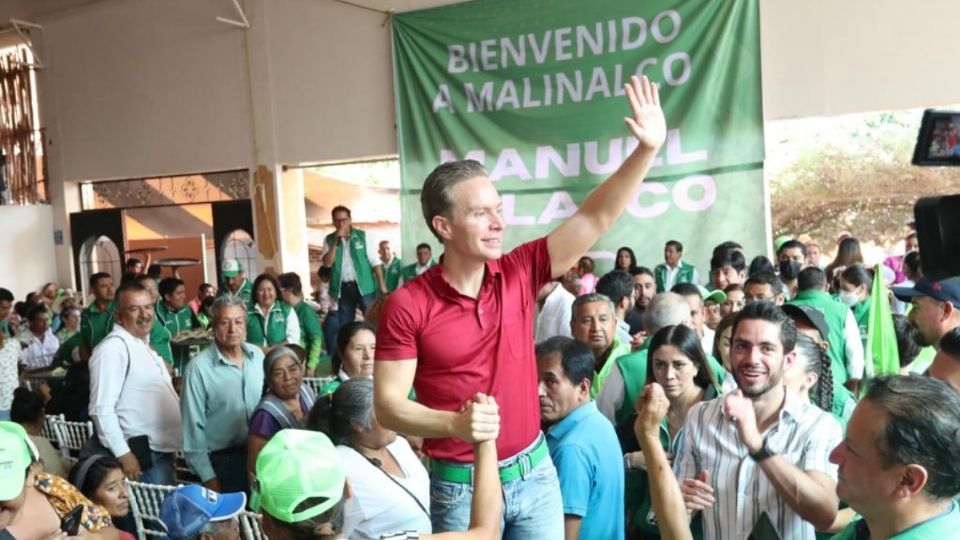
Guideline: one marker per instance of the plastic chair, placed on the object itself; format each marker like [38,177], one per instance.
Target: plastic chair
[145,500]
[72,435]
[251,526]
[49,431]
[316,383]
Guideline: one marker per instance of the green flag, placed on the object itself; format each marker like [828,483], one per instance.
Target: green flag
[534,91]
[881,355]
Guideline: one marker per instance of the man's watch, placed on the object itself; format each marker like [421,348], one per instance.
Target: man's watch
[763,453]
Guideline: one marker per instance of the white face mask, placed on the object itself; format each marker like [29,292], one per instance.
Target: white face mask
[850,298]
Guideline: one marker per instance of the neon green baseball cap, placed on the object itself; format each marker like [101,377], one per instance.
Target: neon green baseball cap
[298,476]
[15,457]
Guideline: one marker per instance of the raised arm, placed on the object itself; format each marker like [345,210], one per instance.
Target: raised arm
[668,503]
[392,380]
[606,202]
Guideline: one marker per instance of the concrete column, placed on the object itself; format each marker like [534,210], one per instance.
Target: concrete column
[279,213]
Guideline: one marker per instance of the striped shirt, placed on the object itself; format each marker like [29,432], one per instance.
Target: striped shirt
[804,435]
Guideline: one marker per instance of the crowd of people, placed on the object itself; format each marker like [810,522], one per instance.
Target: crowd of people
[491,394]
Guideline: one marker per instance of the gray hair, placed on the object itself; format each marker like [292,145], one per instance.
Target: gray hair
[352,405]
[590,298]
[224,302]
[436,198]
[273,356]
[209,528]
[665,309]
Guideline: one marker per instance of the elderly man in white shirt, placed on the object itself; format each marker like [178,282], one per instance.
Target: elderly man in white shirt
[41,343]
[131,393]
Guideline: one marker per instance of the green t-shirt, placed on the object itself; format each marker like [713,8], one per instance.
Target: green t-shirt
[941,527]
[95,325]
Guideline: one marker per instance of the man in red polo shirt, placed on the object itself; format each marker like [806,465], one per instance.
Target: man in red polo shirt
[466,327]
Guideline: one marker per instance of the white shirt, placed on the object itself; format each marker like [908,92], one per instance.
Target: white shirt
[8,372]
[554,318]
[671,278]
[347,271]
[706,342]
[39,354]
[143,404]
[804,435]
[853,347]
[378,505]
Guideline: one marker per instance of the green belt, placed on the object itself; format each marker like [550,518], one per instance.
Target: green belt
[463,474]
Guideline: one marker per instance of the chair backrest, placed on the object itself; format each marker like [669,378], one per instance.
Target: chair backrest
[49,431]
[251,526]
[72,435]
[145,500]
[316,383]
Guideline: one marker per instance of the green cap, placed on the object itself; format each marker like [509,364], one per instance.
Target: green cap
[15,458]
[781,240]
[716,295]
[297,468]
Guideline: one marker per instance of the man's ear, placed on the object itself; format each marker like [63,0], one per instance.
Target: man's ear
[584,387]
[948,310]
[912,481]
[442,225]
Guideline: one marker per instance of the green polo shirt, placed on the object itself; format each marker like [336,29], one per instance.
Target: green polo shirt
[311,334]
[217,400]
[95,324]
[244,293]
[175,322]
[160,341]
[941,527]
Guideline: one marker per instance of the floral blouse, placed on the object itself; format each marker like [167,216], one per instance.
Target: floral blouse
[64,498]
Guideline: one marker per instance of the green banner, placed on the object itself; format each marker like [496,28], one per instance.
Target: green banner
[534,91]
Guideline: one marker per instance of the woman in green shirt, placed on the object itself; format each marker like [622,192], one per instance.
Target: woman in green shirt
[270,321]
[356,344]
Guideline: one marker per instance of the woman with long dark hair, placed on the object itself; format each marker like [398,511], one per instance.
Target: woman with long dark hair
[626,260]
[100,479]
[848,254]
[677,362]
[811,376]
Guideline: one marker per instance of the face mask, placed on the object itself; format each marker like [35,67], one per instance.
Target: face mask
[850,298]
[789,269]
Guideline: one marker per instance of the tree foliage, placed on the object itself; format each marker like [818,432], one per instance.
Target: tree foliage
[850,173]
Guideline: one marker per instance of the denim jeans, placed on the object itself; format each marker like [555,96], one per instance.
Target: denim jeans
[533,507]
[161,472]
[350,299]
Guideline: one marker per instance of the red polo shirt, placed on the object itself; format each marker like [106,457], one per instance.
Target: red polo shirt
[465,345]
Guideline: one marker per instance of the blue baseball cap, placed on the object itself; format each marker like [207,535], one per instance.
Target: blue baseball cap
[945,290]
[187,509]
